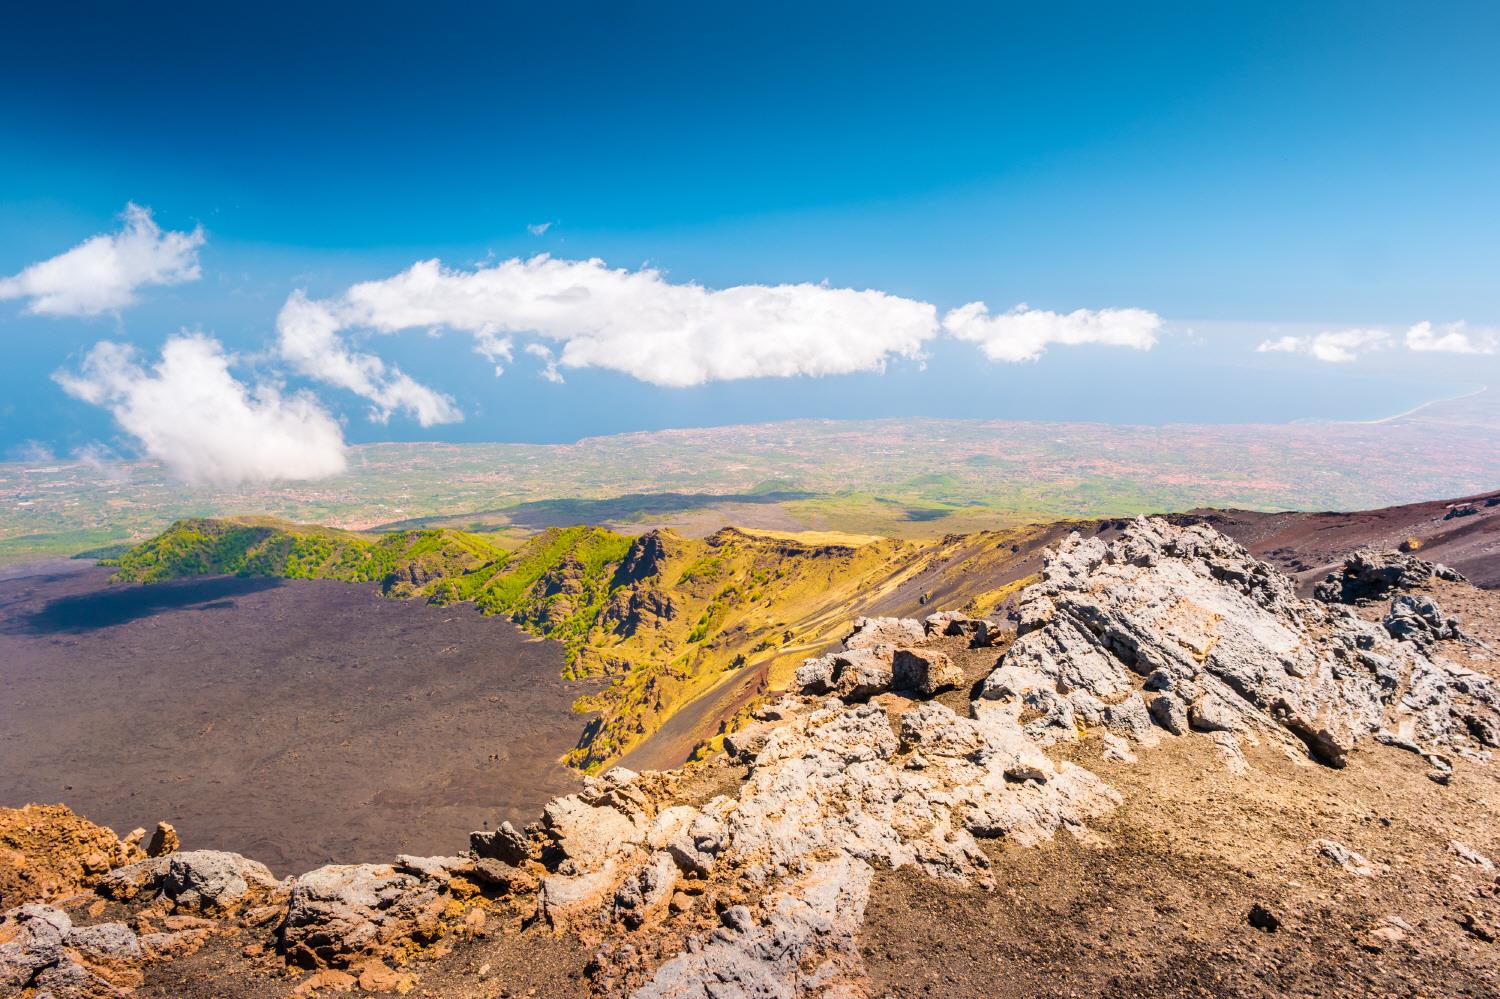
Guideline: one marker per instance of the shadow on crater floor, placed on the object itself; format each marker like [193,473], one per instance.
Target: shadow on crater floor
[130,602]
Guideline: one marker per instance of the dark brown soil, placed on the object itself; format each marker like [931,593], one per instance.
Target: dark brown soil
[1308,545]
[296,722]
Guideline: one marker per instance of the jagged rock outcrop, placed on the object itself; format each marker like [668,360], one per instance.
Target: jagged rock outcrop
[646,556]
[1226,645]
[1371,575]
[46,851]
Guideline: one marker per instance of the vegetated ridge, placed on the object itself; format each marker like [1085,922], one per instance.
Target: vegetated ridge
[666,618]
[695,628]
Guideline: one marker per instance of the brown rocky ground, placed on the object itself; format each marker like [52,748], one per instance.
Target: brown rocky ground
[1462,533]
[297,722]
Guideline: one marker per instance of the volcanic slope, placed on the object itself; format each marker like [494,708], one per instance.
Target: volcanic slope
[670,621]
[1174,778]
[1461,533]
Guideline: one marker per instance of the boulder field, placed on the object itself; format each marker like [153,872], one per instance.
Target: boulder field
[942,750]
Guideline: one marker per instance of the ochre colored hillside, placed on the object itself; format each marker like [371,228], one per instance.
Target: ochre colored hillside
[671,621]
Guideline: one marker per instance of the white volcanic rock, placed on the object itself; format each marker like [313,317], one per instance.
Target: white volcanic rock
[1228,642]
[596,823]
[855,675]
[210,882]
[884,632]
[343,912]
[799,942]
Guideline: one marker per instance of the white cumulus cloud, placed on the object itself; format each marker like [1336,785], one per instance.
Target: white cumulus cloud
[634,322]
[190,412]
[1453,338]
[102,273]
[1023,334]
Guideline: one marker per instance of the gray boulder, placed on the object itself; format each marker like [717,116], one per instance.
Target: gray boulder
[342,913]
[855,675]
[884,632]
[1418,618]
[504,844]
[924,672]
[1170,713]
[211,882]
[1371,575]
[33,936]
[43,951]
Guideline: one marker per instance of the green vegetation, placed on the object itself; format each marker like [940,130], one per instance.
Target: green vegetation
[666,618]
[914,479]
[403,562]
[556,585]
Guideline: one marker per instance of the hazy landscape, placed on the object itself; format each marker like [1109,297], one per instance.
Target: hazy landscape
[916,478]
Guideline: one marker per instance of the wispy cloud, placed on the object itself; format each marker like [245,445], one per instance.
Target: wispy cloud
[102,273]
[1332,346]
[309,340]
[1453,338]
[539,228]
[549,362]
[191,413]
[1023,334]
[1346,346]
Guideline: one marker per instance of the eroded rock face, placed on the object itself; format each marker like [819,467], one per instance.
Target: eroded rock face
[1227,643]
[46,851]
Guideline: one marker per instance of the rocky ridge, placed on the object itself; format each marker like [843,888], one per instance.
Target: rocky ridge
[878,759]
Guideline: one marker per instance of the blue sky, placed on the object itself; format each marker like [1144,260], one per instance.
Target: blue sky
[1244,172]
